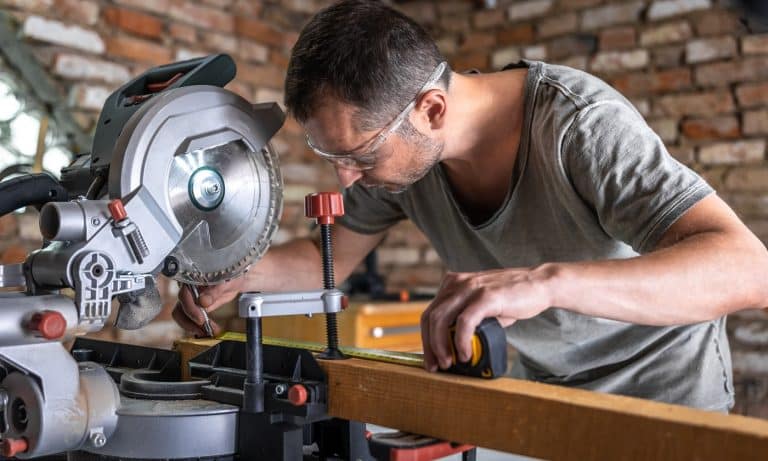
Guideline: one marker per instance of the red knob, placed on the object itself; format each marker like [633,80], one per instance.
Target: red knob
[117,210]
[297,395]
[324,206]
[12,447]
[50,324]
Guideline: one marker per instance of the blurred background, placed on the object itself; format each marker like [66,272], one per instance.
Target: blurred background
[696,69]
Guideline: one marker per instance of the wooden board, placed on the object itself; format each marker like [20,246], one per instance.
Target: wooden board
[533,419]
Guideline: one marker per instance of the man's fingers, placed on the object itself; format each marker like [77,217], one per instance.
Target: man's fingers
[189,304]
[430,361]
[475,311]
[180,316]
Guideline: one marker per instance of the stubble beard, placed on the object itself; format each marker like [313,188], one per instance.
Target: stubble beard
[426,154]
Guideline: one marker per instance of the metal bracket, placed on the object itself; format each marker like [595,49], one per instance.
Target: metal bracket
[254,305]
[96,281]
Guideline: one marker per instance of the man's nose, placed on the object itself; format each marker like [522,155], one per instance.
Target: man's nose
[347,176]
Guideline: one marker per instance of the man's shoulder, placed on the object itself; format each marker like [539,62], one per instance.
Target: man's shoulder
[577,87]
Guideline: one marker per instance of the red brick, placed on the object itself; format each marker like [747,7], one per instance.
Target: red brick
[221,43]
[455,24]
[748,205]
[577,4]
[445,8]
[672,80]
[552,26]
[134,22]
[279,59]
[666,128]
[183,32]
[14,254]
[252,51]
[682,154]
[248,8]
[710,49]
[717,22]
[752,94]
[669,56]
[703,103]
[515,35]
[755,44]
[528,9]
[30,6]
[485,19]
[733,152]
[266,75]
[80,11]
[448,44]
[666,33]
[478,41]
[664,9]
[504,56]
[756,122]
[724,73]
[725,127]
[617,13]
[243,89]
[9,226]
[618,38]
[572,45]
[202,16]
[138,50]
[747,179]
[156,6]
[422,12]
[617,61]
[260,31]
[468,61]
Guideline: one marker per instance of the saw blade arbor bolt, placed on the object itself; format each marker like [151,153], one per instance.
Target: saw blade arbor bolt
[325,207]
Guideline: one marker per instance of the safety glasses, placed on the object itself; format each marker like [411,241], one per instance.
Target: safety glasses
[354,160]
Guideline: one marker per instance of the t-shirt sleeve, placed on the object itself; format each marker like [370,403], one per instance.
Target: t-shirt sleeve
[370,210]
[620,167]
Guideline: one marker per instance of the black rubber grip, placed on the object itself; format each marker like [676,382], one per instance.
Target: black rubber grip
[32,189]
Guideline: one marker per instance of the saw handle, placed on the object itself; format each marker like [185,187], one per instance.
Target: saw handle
[32,189]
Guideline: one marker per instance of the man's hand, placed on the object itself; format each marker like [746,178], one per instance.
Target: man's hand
[467,298]
[187,312]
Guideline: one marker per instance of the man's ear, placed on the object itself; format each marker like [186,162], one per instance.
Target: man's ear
[430,108]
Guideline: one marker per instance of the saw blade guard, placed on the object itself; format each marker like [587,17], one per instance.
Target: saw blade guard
[203,153]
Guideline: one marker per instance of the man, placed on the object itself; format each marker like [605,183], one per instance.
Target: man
[554,206]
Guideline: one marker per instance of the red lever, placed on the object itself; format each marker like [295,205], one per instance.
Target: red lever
[12,447]
[297,395]
[50,324]
[324,206]
[117,210]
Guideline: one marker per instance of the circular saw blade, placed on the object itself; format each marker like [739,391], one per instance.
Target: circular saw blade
[228,201]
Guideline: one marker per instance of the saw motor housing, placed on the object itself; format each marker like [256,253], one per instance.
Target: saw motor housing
[181,177]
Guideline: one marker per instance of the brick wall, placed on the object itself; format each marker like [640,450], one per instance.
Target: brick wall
[695,70]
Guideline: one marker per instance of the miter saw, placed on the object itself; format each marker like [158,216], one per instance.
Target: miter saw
[181,180]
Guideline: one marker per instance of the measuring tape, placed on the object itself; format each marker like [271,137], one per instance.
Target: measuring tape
[488,360]
[399,358]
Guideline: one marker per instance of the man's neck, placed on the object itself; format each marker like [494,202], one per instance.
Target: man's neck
[483,130]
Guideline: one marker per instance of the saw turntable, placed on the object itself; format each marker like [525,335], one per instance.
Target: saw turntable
[182,181]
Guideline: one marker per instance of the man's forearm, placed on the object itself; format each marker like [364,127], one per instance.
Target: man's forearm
[295,265]
[700,278]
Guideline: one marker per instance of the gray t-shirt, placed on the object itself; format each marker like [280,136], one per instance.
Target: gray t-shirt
[593,182]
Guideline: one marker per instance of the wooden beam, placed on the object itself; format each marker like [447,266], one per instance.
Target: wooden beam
[533,419]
